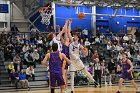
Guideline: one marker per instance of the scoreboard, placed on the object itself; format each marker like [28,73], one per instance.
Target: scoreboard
[4,8]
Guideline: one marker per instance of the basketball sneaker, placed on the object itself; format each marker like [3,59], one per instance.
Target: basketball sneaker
[137,91]
[72,92]
[118,92]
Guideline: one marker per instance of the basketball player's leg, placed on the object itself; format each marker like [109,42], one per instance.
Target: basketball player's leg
[123,76]
[60,82]
[72,70]
[72,74]
[130,77]
[80,66]
[134,84]
[52,82]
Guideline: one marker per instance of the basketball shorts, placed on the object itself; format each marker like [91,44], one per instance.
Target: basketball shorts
[127,75]
[56,77]
[76,65]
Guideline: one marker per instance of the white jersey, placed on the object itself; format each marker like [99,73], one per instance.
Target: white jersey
[74,50]
[58,42]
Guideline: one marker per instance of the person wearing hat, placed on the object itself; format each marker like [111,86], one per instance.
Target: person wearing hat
[10,67]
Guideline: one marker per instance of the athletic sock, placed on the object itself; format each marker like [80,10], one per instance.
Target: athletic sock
[52,90]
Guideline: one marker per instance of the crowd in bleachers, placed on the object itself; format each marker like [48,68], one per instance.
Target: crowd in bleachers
[30,48]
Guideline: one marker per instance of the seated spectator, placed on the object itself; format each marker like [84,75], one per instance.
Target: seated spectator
[25,48]
[18,66]
[30,72]
[41,54]
[118,47]
[87,43]
[35,56]
[28,58]
[40,42]
[125,38]
[16,58]
[14,30]
[14,78]
[138,59]
[21,41]
[10,67]
[22,79]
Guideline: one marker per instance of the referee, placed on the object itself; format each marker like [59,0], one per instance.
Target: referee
[97,71]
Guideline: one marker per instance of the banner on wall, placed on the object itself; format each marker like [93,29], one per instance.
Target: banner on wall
[4,8]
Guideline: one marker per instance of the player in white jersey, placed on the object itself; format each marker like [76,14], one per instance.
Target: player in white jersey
[77,64]
[56,39]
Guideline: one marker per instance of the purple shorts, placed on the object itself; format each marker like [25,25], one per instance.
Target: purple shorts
[127,75]
[56,77]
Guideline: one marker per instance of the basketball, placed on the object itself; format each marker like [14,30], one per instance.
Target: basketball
[81,15]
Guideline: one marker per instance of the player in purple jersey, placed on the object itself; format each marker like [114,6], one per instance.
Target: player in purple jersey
[55,59]
[127,68]
[65,49]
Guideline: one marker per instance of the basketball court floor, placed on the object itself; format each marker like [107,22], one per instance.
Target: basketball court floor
[106,89]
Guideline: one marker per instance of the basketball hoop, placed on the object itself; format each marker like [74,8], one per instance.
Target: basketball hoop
[46,13]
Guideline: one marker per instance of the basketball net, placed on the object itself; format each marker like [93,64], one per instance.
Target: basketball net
[46,13]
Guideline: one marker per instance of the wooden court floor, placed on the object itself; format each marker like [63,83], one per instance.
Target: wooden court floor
[107,89]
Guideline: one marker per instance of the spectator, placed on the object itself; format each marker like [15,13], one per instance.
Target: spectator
[40,42]
[21,41]
[118,47]
[112,68]
[102,57]
[14,30]
[87,43]
[30,73]
[28,58]
[16,58]
[125,38]
[26,41]
[14,78]
[118,71]
[10,67]
[85,33]
[22,79]
[41,54]
[138,59]
[25,48]
[105,72]
[35,56]
[18,66]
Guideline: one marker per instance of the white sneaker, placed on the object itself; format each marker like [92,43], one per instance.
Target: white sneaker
[66,91]
[110,84]
[106,84]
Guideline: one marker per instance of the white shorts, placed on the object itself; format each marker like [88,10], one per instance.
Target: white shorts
[76,65]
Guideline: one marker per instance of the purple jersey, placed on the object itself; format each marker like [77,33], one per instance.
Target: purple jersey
[125,67]
[55,63]
[65,50]
[125,73]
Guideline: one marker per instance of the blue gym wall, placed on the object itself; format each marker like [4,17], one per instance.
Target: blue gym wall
[63,13]
[124,22]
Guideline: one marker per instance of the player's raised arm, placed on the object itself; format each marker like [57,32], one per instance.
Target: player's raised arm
[69,30]
[63,30]
[47,57]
